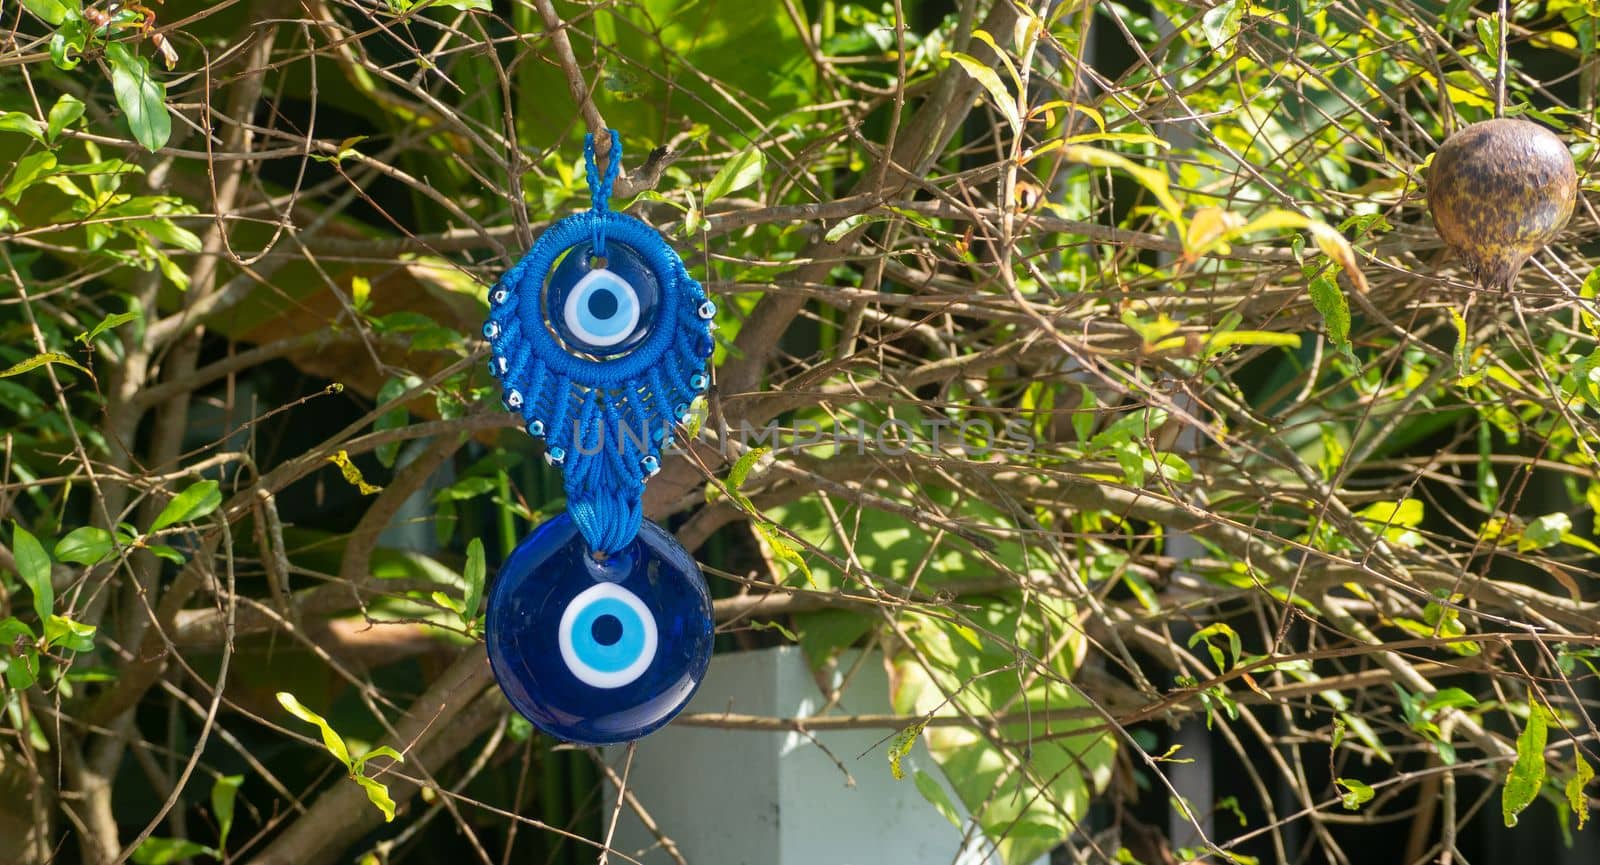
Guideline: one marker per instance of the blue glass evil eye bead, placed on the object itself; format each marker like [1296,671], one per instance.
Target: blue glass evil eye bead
[598,652]
[606,310]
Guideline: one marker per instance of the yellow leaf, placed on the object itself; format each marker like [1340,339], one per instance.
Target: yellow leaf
[352,474]
[902,744]
[1333,245]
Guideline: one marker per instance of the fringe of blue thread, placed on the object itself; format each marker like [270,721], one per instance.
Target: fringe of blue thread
[603,421]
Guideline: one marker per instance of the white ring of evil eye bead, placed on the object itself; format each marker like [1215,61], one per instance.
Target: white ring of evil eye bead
[536,428]
[491,330]
[699,381]
[651,466]
[707,310]
[500,296]
[555,456]
[514,398]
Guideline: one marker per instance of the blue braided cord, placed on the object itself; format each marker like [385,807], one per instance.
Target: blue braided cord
[640,388]
[600,189]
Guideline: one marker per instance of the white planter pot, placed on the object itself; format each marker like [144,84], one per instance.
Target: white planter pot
[741,797]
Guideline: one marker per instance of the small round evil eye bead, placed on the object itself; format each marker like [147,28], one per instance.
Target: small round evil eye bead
[650,466]
[680,412]
[699,381]
[500,296]
[514,399]
[555,456]
[536,428]
[491,330]
[707,310]
[659,433]
[499,365]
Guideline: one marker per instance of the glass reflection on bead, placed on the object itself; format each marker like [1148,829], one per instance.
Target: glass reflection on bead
[603,311]
[599,652]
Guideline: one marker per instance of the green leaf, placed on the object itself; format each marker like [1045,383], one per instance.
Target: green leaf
[1219,629]
[1489,35]
[738,474]
[68,109]
[21,670]
[987,78]
[33,566]
[27,170]
[1220,23]
[468,5]
[165,851]
[330,738]
[70,635]
[16,121]
[223,793]
[789,635]
[1331,304]
[1355,793]
[116,319]
[1527,774]
[141,97]
[41,359]
[379,795]
[190,505]
[51,12]
[1067,760]
[1580,779]
[739,172]
[843,227]
[381,751]
[85,545]
[901,745]
[933,791]
[1546,531]
[474,576]
[1449,698]
[168,232]
[162,551]
[782,549]
[449,603]
[68,42]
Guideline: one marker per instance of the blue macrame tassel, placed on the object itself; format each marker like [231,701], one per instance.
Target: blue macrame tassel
[601,417]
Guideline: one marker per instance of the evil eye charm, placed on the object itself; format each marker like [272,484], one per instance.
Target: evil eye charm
[598,651]
[601,307]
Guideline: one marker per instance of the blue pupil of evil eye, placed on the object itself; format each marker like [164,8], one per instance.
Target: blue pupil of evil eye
[603,307]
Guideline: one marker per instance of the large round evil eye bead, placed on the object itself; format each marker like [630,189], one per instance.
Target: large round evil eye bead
[601,309]
[598,651]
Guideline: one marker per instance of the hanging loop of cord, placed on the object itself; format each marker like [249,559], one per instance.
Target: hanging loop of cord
[600,185]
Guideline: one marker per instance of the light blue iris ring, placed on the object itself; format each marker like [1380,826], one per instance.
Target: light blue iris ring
[602,309]
[607,636]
